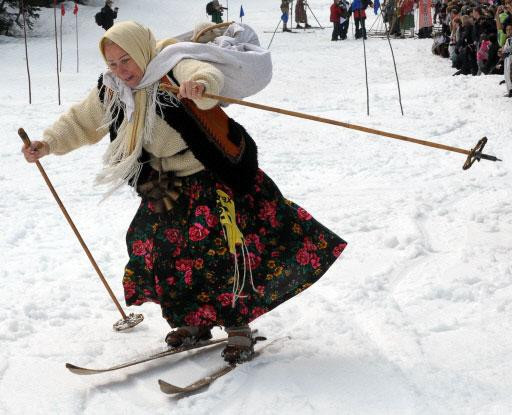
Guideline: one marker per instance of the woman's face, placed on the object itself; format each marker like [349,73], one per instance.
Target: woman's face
[122,65]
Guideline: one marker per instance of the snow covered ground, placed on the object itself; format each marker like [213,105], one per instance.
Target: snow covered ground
[416,317]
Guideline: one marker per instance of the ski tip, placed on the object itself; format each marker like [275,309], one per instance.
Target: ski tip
[169,388]
[73,368]
[77,370]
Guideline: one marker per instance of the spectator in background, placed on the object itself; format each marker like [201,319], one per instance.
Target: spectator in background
[507,60]
[108,15]
[478,23]
[335,20]
[438,4]
[503,18]
[466,50]
[482,55]
[358,9]
[300,14]
[444,18]
[285,10]
[454,38]
[492,55]
[345,18]
[216,11]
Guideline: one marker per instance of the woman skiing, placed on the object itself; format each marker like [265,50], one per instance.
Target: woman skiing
[214,242]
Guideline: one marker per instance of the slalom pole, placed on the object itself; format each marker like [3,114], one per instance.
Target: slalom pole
[127,321]
[394,65]
[291,15]
[474,154]
[61,50]
[26,52]
[76,30]
[56,47]
[366,77]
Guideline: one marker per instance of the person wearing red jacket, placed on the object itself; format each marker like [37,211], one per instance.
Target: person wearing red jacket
[335,19]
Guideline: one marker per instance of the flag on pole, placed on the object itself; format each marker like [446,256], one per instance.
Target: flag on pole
[62,10]
[75,10]
[242,14]
[376,6]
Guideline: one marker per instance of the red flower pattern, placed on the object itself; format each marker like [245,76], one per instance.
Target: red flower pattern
[197,232]
[202,210]
[225,299]
[303,214]
[188,245]
[338,249]
[302,256]
[173,236]
[139,248]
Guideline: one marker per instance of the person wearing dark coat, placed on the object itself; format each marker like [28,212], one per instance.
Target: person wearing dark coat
[466,50]
[492,55]
[218,11]
[109,15]
[345,16]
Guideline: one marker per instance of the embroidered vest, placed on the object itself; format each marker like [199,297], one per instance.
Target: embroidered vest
[233,159]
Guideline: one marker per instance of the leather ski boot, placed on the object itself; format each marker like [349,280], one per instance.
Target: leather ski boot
[240,347]
[187,336]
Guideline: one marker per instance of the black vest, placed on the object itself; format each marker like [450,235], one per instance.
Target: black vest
[239,176]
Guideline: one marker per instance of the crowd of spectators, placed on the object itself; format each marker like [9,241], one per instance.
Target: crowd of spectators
[476,36]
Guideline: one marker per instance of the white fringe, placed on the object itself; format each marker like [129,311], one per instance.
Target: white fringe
[120,166]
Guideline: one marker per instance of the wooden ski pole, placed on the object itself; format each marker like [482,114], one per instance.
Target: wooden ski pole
[474,154]
[127,321]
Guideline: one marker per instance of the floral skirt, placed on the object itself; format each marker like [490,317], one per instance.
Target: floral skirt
[181,258]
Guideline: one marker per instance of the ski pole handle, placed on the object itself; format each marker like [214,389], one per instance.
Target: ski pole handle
[24,137]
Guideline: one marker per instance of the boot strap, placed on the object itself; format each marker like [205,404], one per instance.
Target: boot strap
[240,341]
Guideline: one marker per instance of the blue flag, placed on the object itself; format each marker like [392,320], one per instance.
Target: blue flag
[284,18]
[241,11]
[376,6]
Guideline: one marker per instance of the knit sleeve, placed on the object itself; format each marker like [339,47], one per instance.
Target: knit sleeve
[207,74]
[79,126]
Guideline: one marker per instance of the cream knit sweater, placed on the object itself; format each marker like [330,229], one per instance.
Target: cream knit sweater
[80,125]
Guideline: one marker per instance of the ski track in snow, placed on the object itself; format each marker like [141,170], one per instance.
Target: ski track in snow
[414,319]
